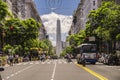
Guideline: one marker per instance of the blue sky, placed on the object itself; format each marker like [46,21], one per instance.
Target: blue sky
[64,7]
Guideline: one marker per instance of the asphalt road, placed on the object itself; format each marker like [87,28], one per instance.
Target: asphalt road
[59,70]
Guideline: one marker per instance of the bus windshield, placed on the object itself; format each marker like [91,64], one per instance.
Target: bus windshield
[88,48]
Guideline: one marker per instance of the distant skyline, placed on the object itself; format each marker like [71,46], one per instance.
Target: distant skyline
[67,7]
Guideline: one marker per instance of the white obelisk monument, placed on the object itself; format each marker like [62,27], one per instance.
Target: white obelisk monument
[58,38]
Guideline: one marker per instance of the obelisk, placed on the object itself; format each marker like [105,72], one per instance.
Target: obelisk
[58,38]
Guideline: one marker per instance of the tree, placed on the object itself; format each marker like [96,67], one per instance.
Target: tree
[104,22]
[68,50]
[14,31]
[3,14]
[106,17]
[3,10]
[118,37]
[77,39]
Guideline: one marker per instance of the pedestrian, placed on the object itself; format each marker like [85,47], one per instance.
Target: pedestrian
[68,58]
[83,59]
[11,60]
[16,58]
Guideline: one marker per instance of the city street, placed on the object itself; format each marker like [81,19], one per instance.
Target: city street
[39,38]
[60,70]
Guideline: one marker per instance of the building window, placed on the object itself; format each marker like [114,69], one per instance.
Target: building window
[93,3]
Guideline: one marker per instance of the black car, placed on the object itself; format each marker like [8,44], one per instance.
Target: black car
[1,68]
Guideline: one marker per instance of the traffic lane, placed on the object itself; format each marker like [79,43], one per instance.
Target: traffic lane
[72,72]
[35,72]
[110,72]
[12,69]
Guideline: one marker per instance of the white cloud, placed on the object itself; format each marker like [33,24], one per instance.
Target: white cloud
[49,21]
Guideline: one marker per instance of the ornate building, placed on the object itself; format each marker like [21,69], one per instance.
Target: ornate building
[25,9]
[80,15]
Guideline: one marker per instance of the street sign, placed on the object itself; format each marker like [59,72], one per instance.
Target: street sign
[92,38]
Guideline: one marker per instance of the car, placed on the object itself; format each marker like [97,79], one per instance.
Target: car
[1,68]
[54,57]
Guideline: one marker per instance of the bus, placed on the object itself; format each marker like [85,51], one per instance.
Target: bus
[89,51]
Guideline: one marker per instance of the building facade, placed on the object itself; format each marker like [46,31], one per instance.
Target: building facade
[25,9]
[31,12]
[81,14]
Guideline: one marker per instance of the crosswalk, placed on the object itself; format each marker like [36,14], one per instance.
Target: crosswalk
[57,61]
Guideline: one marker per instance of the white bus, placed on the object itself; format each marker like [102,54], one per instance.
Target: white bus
[89,51]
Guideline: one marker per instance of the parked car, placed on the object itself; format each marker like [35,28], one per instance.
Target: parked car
[1,68]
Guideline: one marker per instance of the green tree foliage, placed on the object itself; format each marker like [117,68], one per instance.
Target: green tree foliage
[68,50]
[118,37]
[21,31]
[77,39]
[6,48]
[4,13]
[46,45]
[31,28]
[3,10]
[105,21]
[14,32]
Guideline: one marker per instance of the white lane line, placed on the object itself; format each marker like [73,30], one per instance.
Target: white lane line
[12,75]
[65,62]
[48,62]
[18,72]
[59,62]
[7,77]
[31,63]
[43,63]
[53,74]
[24,63]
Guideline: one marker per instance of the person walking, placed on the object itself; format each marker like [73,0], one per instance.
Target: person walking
[11,60]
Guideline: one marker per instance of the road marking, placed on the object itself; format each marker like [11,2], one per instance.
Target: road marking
[12,75]
[92,72]
[31,63]
[24,63]
[48,63]
[17,72]
[7,77]
[53,74]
